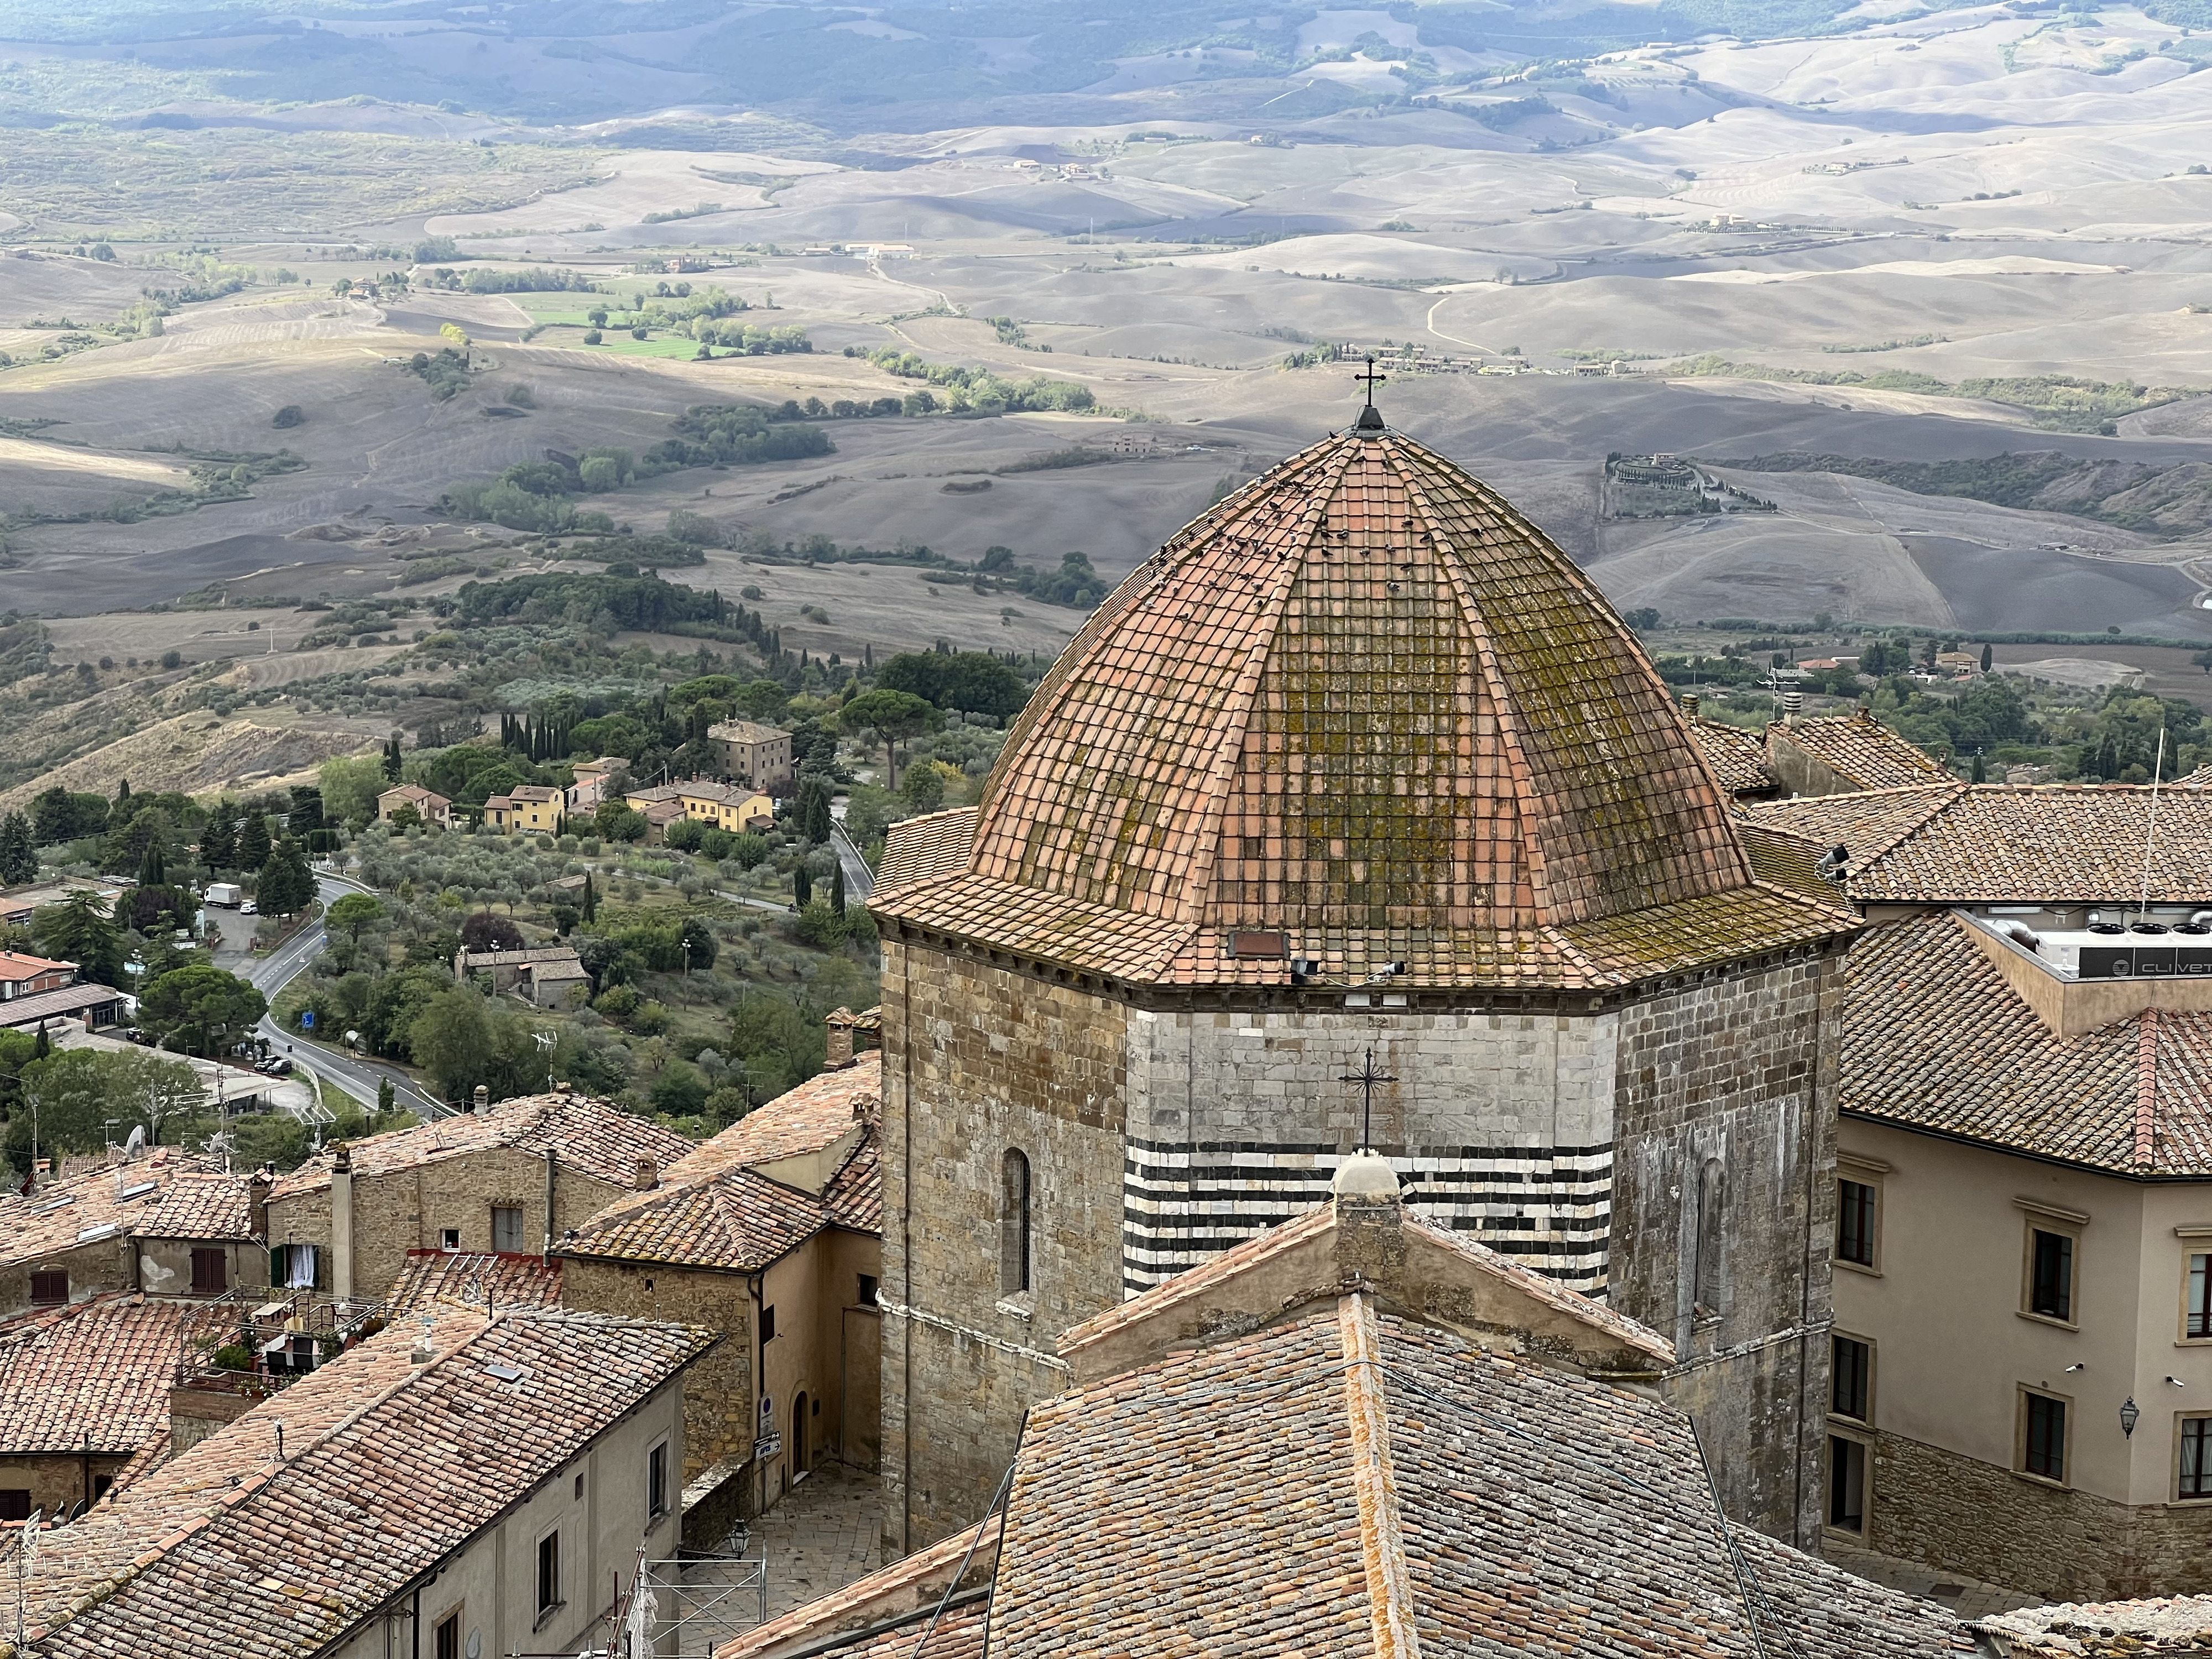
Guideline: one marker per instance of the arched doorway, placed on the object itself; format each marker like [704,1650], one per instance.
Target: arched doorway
[800,1462]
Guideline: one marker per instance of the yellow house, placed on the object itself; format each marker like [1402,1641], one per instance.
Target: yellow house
[527,809]
[726,806]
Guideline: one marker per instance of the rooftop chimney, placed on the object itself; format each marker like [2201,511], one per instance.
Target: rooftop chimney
[1793,705]
[648,1176]
[484,1100]
[840,1055]
[1690,704]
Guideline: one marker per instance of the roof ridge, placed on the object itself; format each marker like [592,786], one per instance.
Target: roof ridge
[1391,1610]
[2146,1091]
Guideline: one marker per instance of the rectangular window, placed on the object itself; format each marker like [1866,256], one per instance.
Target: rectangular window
[447,1645]
[1846,1484]
[2198,1317]
[656,1480]
[1851,1370]
[549,1572]
[2051,1275]
[14,1503]
[868,1290]
[1855,1222]
[2195,1457]
[449,1239]
[211,1271]
[2043,1450]
[506,1229]
[49,1288]
[768,1324]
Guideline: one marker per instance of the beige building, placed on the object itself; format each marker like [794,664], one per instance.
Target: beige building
[500,1179]
[770,1234]
[726,807]
[434,811]
[456,1485]
[590,787]
[753,754]
[84,1390]
[167,1223]
[527,809]
[1361,1433]
[2021,1359]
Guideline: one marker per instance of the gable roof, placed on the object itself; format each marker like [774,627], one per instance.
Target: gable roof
[743,1199]
[1962,843]
[165,1193]
[1935,1039]
[1861,751]
[388,1466]
[493,1280]
[590,1137]
[94,1376]
[1736,753]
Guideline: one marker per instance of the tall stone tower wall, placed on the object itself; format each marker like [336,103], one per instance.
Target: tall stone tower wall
[1675,1147]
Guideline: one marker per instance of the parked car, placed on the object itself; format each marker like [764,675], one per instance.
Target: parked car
[249,908]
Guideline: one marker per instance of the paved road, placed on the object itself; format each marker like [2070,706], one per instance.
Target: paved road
[358,1077]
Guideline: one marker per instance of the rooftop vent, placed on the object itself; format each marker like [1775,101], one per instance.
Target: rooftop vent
[1251,947]
[505,1373]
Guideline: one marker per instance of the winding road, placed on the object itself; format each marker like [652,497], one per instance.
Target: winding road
[357,1076]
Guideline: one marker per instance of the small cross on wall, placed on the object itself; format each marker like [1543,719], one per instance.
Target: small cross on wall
[1368,1078]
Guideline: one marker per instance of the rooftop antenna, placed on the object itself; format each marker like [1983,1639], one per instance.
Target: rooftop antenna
[1367,1078]
[1371,418]
[2158,768]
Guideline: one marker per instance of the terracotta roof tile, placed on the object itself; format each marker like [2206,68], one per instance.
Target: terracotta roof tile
[1736,753]
[1863,751]
[924,848]
[1361,698]
[474,1278]
[1935,1039]
[167,1193]
[1230,1501]
[713,1208]
[1967,843]
[388,1466]
[94,1375]
[591,1136]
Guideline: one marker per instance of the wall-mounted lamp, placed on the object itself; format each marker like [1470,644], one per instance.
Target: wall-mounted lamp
[2130,1414]
[2177,1382]
[2079,1366]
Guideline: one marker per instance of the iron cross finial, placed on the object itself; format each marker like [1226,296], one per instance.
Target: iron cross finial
[1367,1078]
[1370,379]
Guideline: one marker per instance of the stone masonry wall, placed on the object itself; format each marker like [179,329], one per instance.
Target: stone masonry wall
[103,1265]
[1963,1516]
[1733,1083]
[1498,1125]
[56,1483]
[717,1389]
[977,1061]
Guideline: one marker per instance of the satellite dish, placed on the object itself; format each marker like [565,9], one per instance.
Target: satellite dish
[136,1144]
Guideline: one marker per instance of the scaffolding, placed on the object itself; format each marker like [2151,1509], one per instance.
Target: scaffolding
[702,1599]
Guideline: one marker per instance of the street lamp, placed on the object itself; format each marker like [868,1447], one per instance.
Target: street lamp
[2130,1414]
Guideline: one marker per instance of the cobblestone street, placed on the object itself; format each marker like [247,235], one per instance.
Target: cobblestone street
[822,1535]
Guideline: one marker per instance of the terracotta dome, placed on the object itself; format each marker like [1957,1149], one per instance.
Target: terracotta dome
[1363,705]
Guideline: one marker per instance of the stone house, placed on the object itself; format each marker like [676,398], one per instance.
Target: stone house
[2021,1375]
[753,754]
[166,1223]
[1794,756]
[550,975]
[504,1178]
[529,809]
[436,812]
[84,1389]
[457,1485]
[1361,1432]
[771,1235]
[1356,819]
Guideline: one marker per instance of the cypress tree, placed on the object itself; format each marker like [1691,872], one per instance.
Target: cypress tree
[802,886]
[219,840]
[591,898]
[252,841]
[153,870]
[837,888]
[123,794]
[19,859]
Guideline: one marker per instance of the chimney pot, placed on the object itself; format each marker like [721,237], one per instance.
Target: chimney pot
[1793,705]
[840,1050]
[484,1100]
[1690,704]
[648,1176]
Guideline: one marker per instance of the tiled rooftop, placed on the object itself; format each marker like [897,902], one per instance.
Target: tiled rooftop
[1736,753]
[474,1278]
[2106,1630]
[1363,702]
[1969,843]
[924,848]
[165,1193]
[713,1208]
[387,1466]
[94,1376]
[1935,1039]
[1860,750]
[592,1138]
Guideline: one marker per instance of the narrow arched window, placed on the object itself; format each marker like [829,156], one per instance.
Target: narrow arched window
[1712,1202]
[1015,1201]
